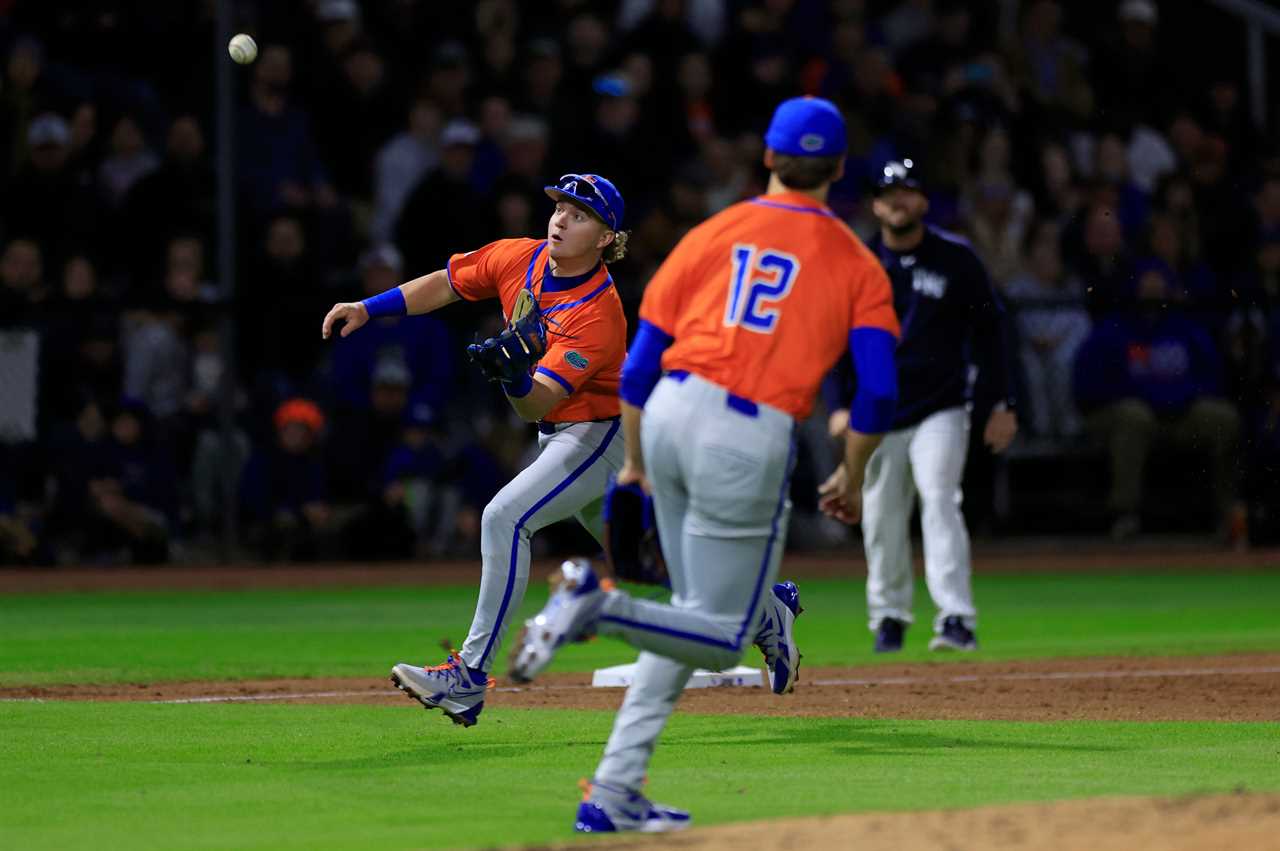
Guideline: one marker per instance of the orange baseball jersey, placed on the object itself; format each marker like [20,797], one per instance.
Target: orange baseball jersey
[761,297]
[586,328]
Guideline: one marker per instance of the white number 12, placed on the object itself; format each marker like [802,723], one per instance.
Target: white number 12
[759,280]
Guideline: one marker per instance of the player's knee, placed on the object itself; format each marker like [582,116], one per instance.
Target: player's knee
[875,524]
[499,516]
[941,500]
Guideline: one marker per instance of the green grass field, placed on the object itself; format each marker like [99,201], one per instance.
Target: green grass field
[105,637]
[131,775]
[272,777]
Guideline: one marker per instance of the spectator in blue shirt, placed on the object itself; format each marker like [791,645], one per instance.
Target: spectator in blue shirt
[369,433]
[278,165]
[117,492]
[1052,324]
[1193,280]
[1153,377]
[414,485]
[283,491]
[421,343]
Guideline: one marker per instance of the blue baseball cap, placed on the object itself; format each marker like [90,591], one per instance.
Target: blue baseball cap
[592,191]
[807,127]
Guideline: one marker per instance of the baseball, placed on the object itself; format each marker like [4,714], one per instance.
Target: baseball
[243,48]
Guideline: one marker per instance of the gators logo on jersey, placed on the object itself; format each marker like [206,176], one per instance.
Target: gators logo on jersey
[576,360]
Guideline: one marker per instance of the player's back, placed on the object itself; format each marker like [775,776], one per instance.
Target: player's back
[761,297]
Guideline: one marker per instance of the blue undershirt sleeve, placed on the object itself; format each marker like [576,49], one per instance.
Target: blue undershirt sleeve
[877,395]
[643,366]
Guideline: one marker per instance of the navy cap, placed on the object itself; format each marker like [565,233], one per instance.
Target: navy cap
[593,192]
[615,85]
[807,127]
[898,173]
[48,129]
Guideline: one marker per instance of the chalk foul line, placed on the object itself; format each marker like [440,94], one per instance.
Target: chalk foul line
[821,683]
[1176,673]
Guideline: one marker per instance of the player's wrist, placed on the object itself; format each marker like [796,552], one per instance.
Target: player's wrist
[518,387]
[389,303]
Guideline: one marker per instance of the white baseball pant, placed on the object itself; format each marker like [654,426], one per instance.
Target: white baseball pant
[719,467]
[926,459]
[567,479]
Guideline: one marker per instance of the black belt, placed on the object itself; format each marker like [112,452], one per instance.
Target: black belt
[550,428]
[741,404]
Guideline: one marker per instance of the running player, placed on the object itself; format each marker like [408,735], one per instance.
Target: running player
[745,316]
[948,308]
[572,395]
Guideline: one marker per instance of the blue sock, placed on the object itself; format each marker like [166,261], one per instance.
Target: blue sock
[477,675]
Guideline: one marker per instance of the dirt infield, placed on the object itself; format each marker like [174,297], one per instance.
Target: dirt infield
[1222,688]
[1201,823]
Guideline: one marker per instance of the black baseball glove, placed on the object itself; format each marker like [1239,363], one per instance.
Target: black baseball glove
[518,348]
[631,544]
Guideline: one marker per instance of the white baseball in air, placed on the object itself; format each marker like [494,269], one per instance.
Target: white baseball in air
[243,48]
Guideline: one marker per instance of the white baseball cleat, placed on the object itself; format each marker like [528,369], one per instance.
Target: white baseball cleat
[776,637]
[569,615]
[610,810]
[449,687]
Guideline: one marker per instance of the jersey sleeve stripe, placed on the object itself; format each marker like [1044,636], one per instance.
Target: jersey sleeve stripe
[448,273]
[565,384]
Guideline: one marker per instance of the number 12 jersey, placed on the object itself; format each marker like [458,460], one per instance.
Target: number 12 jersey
[761,297]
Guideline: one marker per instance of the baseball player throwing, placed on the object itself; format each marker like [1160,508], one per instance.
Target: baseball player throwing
[566,318]
[947,306]
[556,290]
[744,317]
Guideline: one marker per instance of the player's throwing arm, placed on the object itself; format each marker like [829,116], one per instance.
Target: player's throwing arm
[558,361]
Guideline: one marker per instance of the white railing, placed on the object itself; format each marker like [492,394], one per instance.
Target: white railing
[1259,18]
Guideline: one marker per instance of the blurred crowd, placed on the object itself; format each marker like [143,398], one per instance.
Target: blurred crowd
[1125,203]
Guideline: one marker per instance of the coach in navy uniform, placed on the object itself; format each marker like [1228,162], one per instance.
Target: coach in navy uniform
[950,318]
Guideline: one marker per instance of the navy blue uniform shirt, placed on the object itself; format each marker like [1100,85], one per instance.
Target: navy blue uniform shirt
[951,317]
